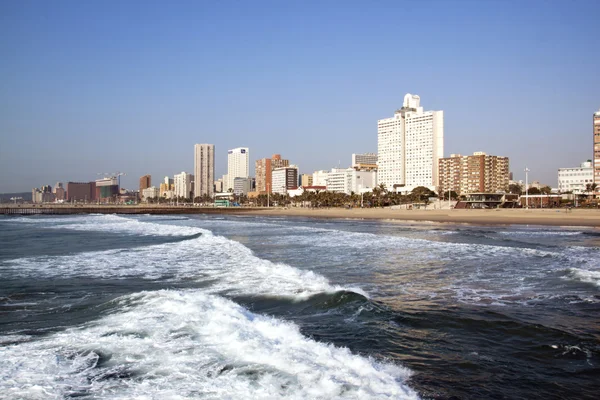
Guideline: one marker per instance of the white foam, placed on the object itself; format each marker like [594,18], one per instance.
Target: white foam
[173,344]
[584,275]
[227,264]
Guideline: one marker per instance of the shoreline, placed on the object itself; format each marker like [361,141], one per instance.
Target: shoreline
[542,217]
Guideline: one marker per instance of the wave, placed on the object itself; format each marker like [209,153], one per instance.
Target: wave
[189,344]
[583,275]
[226,265]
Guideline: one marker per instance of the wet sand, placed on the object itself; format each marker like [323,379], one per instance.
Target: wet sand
[554,217]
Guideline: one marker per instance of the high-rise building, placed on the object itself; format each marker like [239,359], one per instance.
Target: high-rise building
[238,165]
[366,161]
[264,172]
[596,129]
[204,170]
[409,146]
[284,179]
[107,189]
[183,185]
[59,192]
[575,180]
[479,173]
[145,182]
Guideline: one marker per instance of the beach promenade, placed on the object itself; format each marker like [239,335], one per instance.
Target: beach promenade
[555,217]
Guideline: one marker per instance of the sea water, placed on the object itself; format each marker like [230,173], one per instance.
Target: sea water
[215,307]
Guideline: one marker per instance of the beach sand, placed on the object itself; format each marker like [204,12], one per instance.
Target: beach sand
[555,217]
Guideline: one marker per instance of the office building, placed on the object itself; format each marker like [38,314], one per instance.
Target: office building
[145,182]
[242,186]
[409,146]
[575,180]
[596,163]
[238,165]
[183,185]
[264,172]
[306,180]
[204,170]
[284,179]
[479,173]
[366,161]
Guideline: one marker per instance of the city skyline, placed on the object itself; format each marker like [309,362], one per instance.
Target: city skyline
[80,94]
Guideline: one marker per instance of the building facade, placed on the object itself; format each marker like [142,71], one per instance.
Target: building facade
[242,186]
[479,173]
[409,146]
[81,191]
[264,172]
[575,179]
[60,194]
[150,193]
[145,182]
[351,181]
[183,185]
[238,165]
[596,163]
[320,178]
[284,179]
[366,161]
[107,189]
[306,180]
[204,170]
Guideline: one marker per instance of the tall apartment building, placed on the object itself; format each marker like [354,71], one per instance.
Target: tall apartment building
[479,173]
[409,146]
[264,172]
[596,128]
[183,183]
[284,179]
[366,161]
[238,165]
[145,182]
[204,170]
[575,180]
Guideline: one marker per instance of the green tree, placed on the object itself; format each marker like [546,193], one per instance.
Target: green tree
[515,189]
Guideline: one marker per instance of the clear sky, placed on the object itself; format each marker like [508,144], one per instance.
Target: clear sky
[89,87]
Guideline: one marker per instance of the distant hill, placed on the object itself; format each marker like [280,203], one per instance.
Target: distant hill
[5,197]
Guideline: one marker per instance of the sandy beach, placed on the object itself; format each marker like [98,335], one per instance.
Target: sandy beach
[554,217]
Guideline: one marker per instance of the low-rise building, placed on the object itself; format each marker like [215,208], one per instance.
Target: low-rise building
[350,180]
[575,180]
[150,193]
[242,186]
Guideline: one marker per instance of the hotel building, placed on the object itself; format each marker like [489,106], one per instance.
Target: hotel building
[479,173]
[264,172]
[204,170]
[238,165]
[409,146]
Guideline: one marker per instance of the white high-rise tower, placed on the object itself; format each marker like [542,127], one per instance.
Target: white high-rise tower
[204,170]
[238,165]
[409,146]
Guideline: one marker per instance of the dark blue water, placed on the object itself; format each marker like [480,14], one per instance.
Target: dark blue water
[243,307]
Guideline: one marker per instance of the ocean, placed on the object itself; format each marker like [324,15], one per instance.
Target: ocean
[243,307]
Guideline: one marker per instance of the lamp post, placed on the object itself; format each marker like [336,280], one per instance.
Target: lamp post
[268,194]
[526,189]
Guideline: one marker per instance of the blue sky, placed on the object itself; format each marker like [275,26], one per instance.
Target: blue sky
[101,86]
